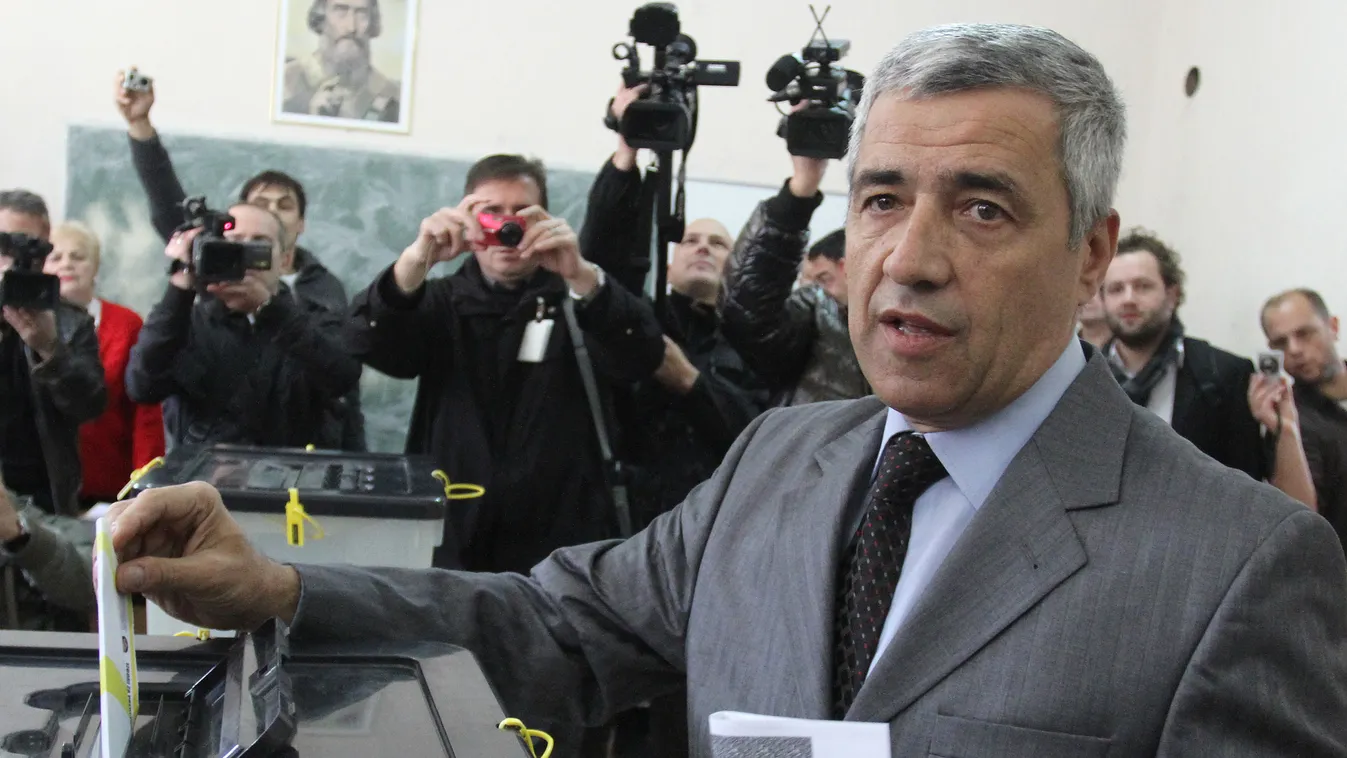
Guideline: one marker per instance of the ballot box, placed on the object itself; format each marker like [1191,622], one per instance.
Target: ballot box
[255,696]
[325,507]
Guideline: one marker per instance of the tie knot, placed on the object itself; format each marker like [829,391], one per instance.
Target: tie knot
[908,468]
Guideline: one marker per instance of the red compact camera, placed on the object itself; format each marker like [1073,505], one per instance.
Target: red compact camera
[501,231]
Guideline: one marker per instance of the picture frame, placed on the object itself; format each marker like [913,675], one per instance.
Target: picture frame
[345,63]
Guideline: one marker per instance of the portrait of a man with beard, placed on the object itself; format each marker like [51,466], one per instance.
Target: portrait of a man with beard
[338,79]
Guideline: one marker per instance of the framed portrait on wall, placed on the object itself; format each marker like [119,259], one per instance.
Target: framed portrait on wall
[345,63]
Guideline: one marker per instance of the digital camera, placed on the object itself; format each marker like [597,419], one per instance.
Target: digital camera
[134,81]
[216,260]
[501,231]
[24,285]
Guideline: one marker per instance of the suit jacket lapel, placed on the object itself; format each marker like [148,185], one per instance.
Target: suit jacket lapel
[812,520]
[1018,548]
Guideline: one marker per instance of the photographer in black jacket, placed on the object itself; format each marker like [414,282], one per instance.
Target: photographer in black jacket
[492,407]
[250,364]
[274,191]
[795,338]
[678,423]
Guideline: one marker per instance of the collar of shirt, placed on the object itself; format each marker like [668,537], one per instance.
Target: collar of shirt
[977,456]
[96,310]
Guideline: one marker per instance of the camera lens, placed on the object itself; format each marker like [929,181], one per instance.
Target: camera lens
[510,234]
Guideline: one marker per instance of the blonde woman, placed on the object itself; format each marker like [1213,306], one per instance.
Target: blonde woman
[128,435]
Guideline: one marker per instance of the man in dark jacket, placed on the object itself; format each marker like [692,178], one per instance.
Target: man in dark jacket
[796,339]
[501,402]
[251,364]
[1299,324]
[677,424]
[51,381]
[1208,396]
[276,191]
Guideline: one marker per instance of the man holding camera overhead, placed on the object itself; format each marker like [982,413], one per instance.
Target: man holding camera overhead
[50,382]
[251,364]
[502,398]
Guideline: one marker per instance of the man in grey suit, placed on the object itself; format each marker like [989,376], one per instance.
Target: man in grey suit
[999,556]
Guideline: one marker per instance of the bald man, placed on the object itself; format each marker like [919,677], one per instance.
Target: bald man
[677,425]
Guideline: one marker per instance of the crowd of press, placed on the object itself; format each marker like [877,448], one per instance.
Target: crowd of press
[618,397]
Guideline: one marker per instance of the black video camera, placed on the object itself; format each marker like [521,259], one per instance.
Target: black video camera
[215,259]
[822,128]
[24,285]
[665,118]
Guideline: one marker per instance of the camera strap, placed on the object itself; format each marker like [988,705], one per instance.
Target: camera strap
[610,465]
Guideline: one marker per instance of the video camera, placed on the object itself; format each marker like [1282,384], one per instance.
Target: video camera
[24,285]
[822,128]
[665,118]
[215,259]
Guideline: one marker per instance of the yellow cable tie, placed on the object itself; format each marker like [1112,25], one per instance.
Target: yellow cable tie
[458,491]
[201,634]
[294,521]
[527,735]
[139,474]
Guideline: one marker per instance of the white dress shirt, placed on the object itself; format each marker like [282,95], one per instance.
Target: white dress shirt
[975,458]
[96,310]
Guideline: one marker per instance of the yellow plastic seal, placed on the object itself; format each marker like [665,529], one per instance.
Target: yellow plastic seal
[528,735]
[295,517]
[458,491]
[137,475]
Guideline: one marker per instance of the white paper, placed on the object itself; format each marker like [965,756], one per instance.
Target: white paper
[748,735]
[119,690]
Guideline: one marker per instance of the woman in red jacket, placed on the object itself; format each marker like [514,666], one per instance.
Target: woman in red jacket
[127,435]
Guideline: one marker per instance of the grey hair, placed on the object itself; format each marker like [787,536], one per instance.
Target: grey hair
[959,57]
[24,202]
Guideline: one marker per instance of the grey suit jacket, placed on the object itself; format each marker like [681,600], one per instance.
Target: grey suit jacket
[1119,594]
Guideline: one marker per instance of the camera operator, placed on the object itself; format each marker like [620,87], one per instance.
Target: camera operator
[251,364]
[679,423]
[796,339]
[492,407]
[50,382]
[272,190]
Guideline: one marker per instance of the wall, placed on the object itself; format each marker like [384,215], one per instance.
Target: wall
[533,78]
[1242,178]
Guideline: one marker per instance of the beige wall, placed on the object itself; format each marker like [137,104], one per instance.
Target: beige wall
[1240,178]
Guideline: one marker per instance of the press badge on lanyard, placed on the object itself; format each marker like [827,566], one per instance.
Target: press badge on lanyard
[536,336]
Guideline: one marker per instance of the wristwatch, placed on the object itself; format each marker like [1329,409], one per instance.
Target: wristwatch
[600,279]
[14,546]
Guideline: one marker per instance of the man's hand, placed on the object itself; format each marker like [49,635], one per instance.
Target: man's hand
[327,99]
[9,516]
[135,108]
[446,234]
[245,296]
[179,248]
[625,157]
[37,329]
[808,172]
[557,248]
[1272,404]
[676,374]
[180,548]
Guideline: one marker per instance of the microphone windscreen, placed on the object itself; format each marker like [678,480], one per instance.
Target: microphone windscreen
[783,72]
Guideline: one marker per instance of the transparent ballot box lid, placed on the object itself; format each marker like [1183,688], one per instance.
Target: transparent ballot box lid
[331,483]
[253,696]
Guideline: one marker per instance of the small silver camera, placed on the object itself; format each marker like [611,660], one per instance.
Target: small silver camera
[1272,362]
[136,81]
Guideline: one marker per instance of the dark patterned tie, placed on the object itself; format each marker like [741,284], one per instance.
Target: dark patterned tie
[874,560]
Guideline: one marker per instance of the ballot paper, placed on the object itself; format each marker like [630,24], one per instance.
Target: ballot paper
[119,692]
[747,735]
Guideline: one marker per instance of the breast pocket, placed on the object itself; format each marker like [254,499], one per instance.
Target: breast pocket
[966,738]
